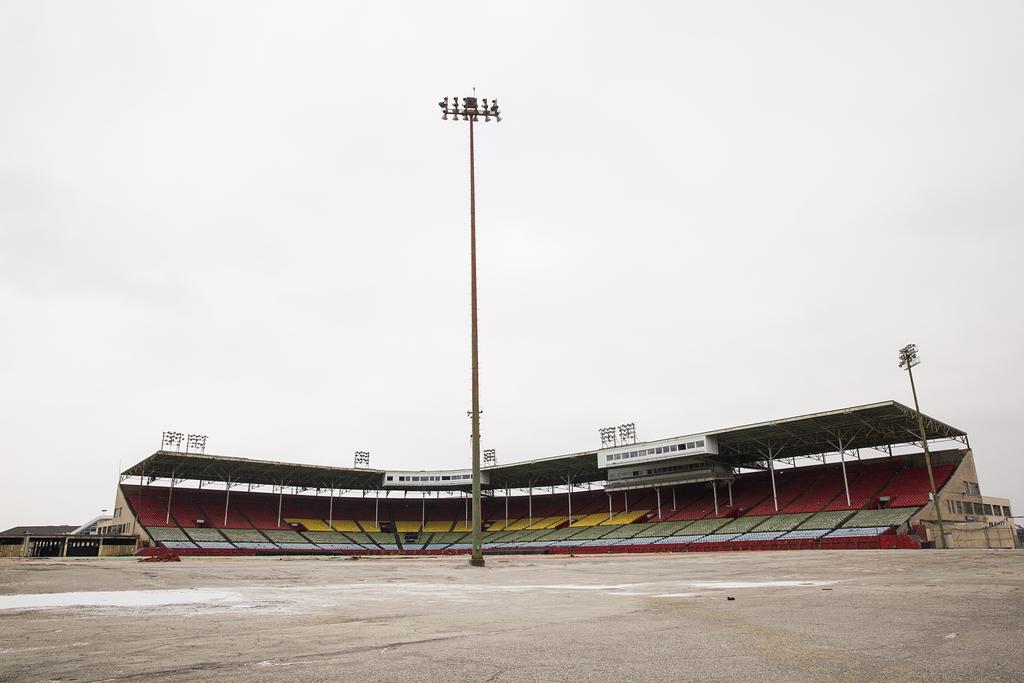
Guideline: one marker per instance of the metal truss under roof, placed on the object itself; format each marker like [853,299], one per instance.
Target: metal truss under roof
[876,425]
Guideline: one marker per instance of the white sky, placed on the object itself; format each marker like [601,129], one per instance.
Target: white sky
[248,220]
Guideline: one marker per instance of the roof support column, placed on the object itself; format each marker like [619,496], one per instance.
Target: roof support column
[507,492]
[280,500]
[609,506]
[714,492]
[846,482]
[227,499]
[673,499]
[625,500]
[376,509]
[330,510]
[730,493]
[423,512]
[568,480]
[530,503]
[657,491]
[170,495]
[771,470]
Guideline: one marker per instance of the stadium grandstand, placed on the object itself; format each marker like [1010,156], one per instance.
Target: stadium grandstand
[848,478]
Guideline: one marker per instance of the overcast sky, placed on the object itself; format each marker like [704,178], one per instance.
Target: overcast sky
[248,220]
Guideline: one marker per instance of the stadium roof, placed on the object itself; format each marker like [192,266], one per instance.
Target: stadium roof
[876,425]
[39,530]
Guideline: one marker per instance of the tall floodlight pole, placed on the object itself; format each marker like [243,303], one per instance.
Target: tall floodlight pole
[471,110]
[908,359]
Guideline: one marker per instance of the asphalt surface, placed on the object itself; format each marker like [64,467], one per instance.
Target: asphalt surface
[810,615]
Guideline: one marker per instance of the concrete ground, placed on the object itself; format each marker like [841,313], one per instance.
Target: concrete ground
[815,615]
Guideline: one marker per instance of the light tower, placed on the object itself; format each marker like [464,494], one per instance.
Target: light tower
[471,110]
[908,359]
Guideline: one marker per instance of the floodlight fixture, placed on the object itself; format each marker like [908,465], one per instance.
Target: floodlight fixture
[362,458]
[471,109]
[171,441]
[627,433]
[607,437]
[490,458]
[909,357]
[196,443]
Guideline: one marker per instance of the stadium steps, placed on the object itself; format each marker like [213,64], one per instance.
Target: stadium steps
[414,541]
[406,527]
[362,538]
[783,522]
[310,524]
[562,534]
[659,529]
[625,531]
[246,518]
[548,522]
[851,532]
[446,538]
[167,533]
[887,517]
[384,539]
[205,537]
[591,533]
[525,536]
[701,527]
[864,488]
[625,518]
[827,519]
[285,536]
[205,534]
[739,525]
[591,520]
[325,537]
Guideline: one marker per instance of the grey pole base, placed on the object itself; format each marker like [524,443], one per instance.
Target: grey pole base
[476,561]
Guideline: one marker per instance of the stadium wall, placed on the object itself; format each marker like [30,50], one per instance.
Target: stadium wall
[812,513]
[963,530]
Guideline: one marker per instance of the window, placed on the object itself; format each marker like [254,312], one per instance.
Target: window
[988,509]
[391,478]
[700,444]
[960,507]
[1006,511]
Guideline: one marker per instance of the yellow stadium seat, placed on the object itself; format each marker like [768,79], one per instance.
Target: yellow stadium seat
[498,526]
[546,522]
[437,526]
[369,526]
[625,517]
[310,524]
[345,525]
[406,527]
[520,524]
[591,520]
[462,526]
